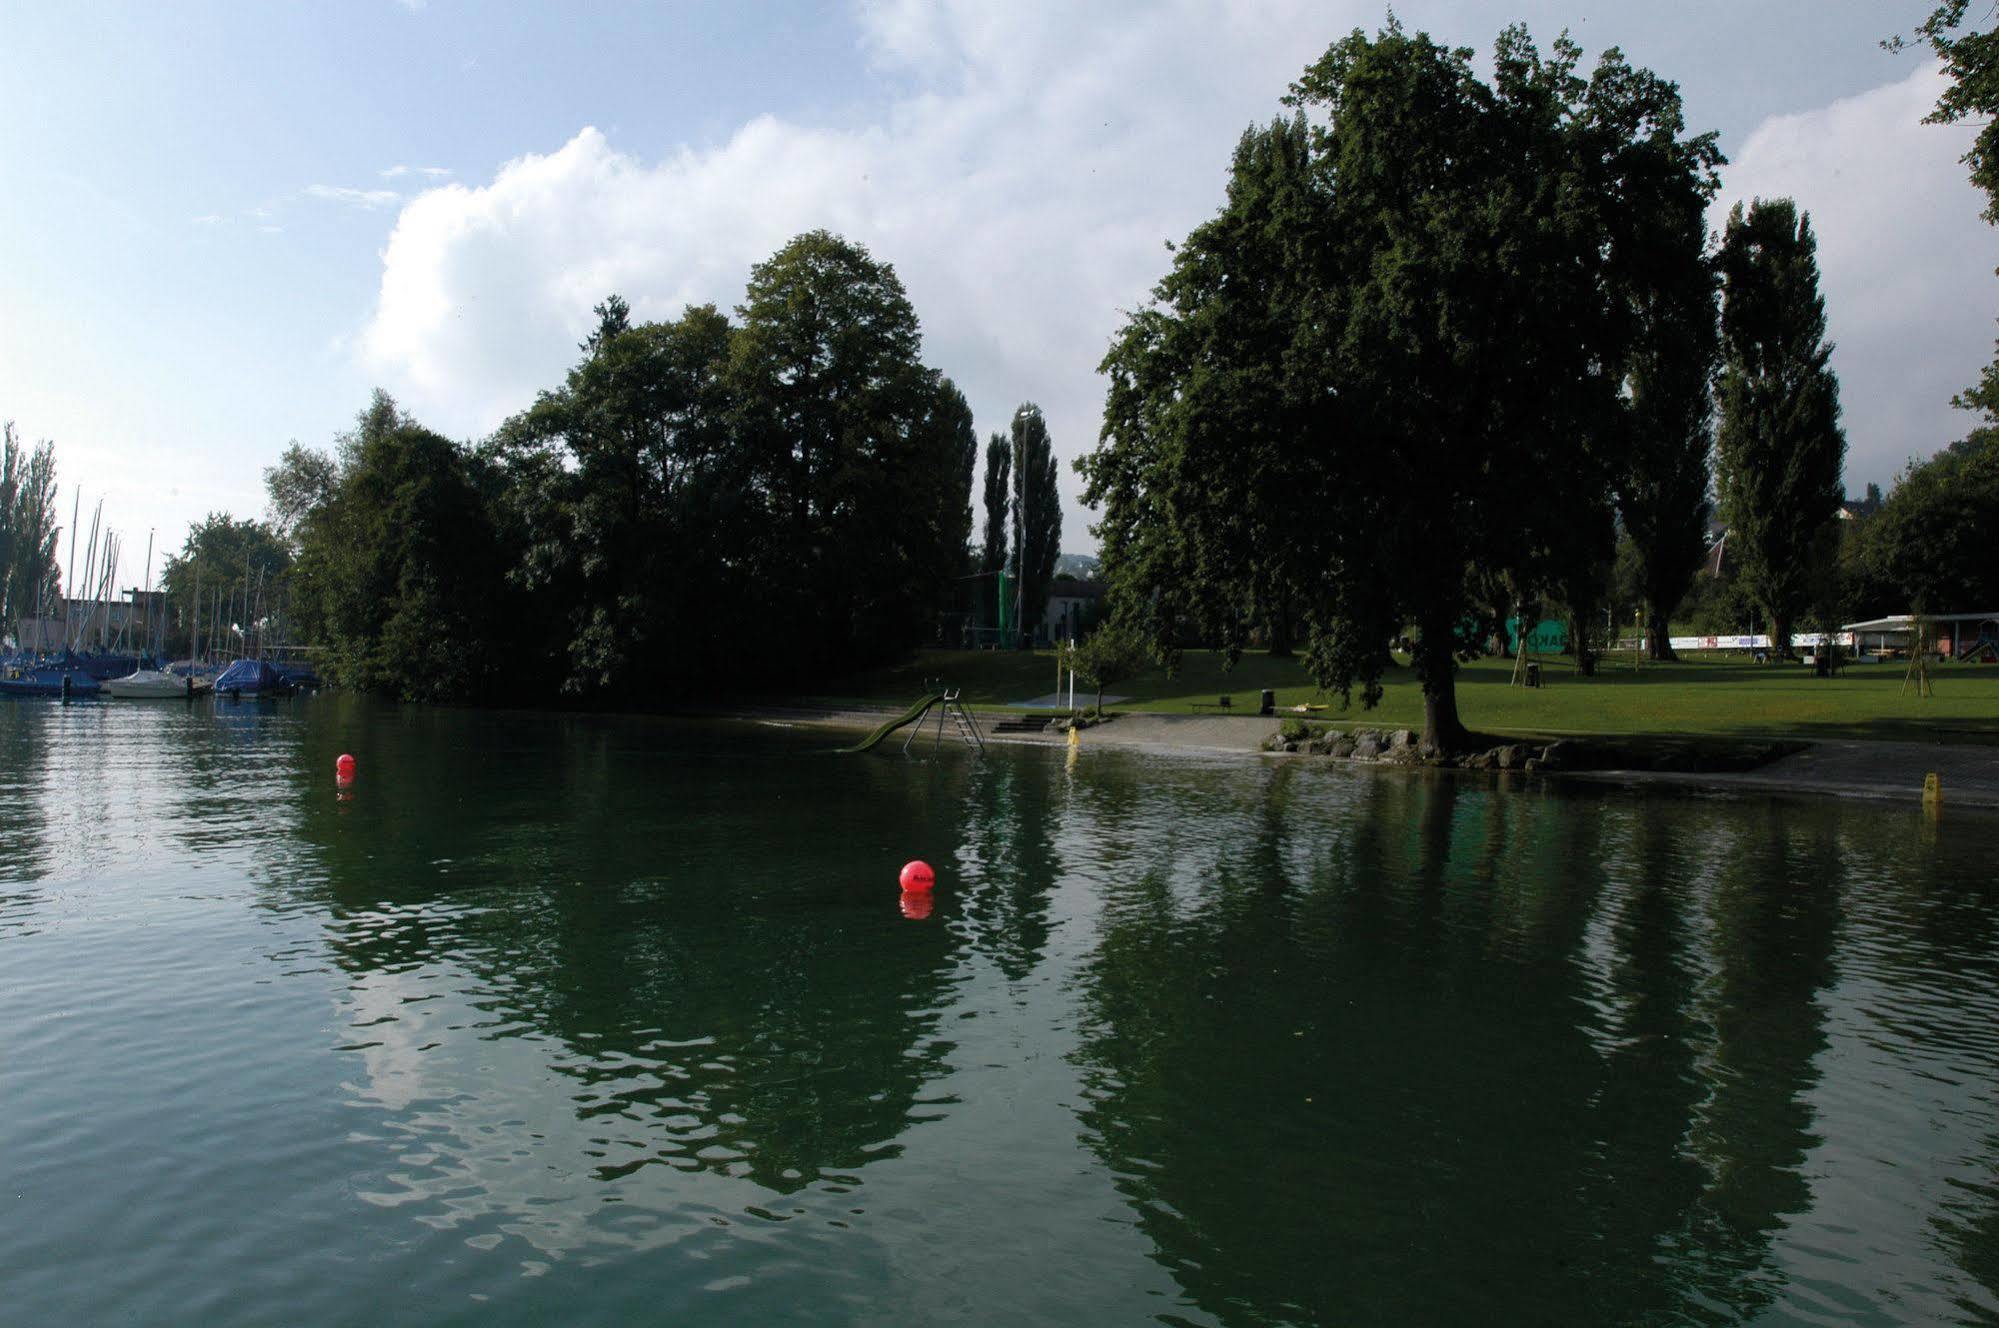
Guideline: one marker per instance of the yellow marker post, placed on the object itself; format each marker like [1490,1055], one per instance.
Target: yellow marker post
[1076,740]
[1932,793]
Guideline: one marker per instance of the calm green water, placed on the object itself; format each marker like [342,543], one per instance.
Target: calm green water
[618,1021]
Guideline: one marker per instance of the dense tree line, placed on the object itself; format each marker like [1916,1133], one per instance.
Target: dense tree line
[703,503]
[1929,547]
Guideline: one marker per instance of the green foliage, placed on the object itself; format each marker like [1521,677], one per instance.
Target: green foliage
[1390,368]
[853,528]
[949,423]
[240,569]
[1971,62]
[993,497]
[1107,657]
[1668,288]
[618,500]
[29,576]
[400,566]
[1930,548]
[1037,511]
[700,503]
[1779,447]
[301,481]
[1294,730]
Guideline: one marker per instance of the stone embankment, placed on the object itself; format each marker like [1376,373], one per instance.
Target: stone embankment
[1402,747]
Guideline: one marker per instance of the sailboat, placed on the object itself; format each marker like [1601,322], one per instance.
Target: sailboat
[151,684]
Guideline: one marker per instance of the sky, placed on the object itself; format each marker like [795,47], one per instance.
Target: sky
[225,224]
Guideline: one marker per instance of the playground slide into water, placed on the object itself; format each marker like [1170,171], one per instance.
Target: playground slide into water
[906,718]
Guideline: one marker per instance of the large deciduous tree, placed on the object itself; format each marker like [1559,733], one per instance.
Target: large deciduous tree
[1390,368]
[1037,512]
[844,484]
[400,570]
[1779,447]
[622,502]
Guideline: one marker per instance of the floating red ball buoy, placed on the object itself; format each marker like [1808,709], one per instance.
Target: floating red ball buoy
[343,769]
[917,878]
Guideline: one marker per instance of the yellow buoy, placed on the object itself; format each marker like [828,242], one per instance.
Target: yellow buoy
[1932,793]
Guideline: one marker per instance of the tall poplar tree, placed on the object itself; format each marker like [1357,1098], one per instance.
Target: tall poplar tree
[28,571]
[1037,513]
[1779,448]
[994,498]
[1664,284]
[955,445]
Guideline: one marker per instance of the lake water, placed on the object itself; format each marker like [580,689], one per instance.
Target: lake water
[606,1020]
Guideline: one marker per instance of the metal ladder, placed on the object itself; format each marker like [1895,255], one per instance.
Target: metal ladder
[948,704]
[968,727]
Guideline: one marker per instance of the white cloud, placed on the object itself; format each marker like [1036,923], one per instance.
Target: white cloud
[1023,186]
[208,219]
[1024,179]
[398,171]
[364,198]
[1906,263]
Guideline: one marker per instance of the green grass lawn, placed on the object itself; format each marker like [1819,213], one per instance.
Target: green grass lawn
[1719,697]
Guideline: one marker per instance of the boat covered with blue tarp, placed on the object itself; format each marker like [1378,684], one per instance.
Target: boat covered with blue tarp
[252,677]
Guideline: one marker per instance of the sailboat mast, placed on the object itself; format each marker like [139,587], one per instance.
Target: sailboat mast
[75,512]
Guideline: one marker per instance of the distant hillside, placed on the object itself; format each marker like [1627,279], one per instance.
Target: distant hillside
[1083,566]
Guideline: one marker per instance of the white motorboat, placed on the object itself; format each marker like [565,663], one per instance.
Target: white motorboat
[151,684]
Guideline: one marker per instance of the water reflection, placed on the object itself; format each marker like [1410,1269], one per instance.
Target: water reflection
[1579,1095]
[1226,1042]
[591,996]
[1006,861]
[24,841]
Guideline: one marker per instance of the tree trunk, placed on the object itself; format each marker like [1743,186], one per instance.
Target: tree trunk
[1436,667]
[1582,621]
[1280,632]
[1658,646]
[1780,637]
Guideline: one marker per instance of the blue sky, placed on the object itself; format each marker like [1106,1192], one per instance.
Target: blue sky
[226,223]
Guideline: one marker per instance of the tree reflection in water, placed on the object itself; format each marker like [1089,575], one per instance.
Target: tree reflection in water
[1510,1052]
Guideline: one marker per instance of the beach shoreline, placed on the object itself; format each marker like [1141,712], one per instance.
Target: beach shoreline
[1876,770]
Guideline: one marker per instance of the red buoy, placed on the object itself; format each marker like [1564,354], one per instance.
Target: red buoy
[343,769]
[916,904]
[917,878]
